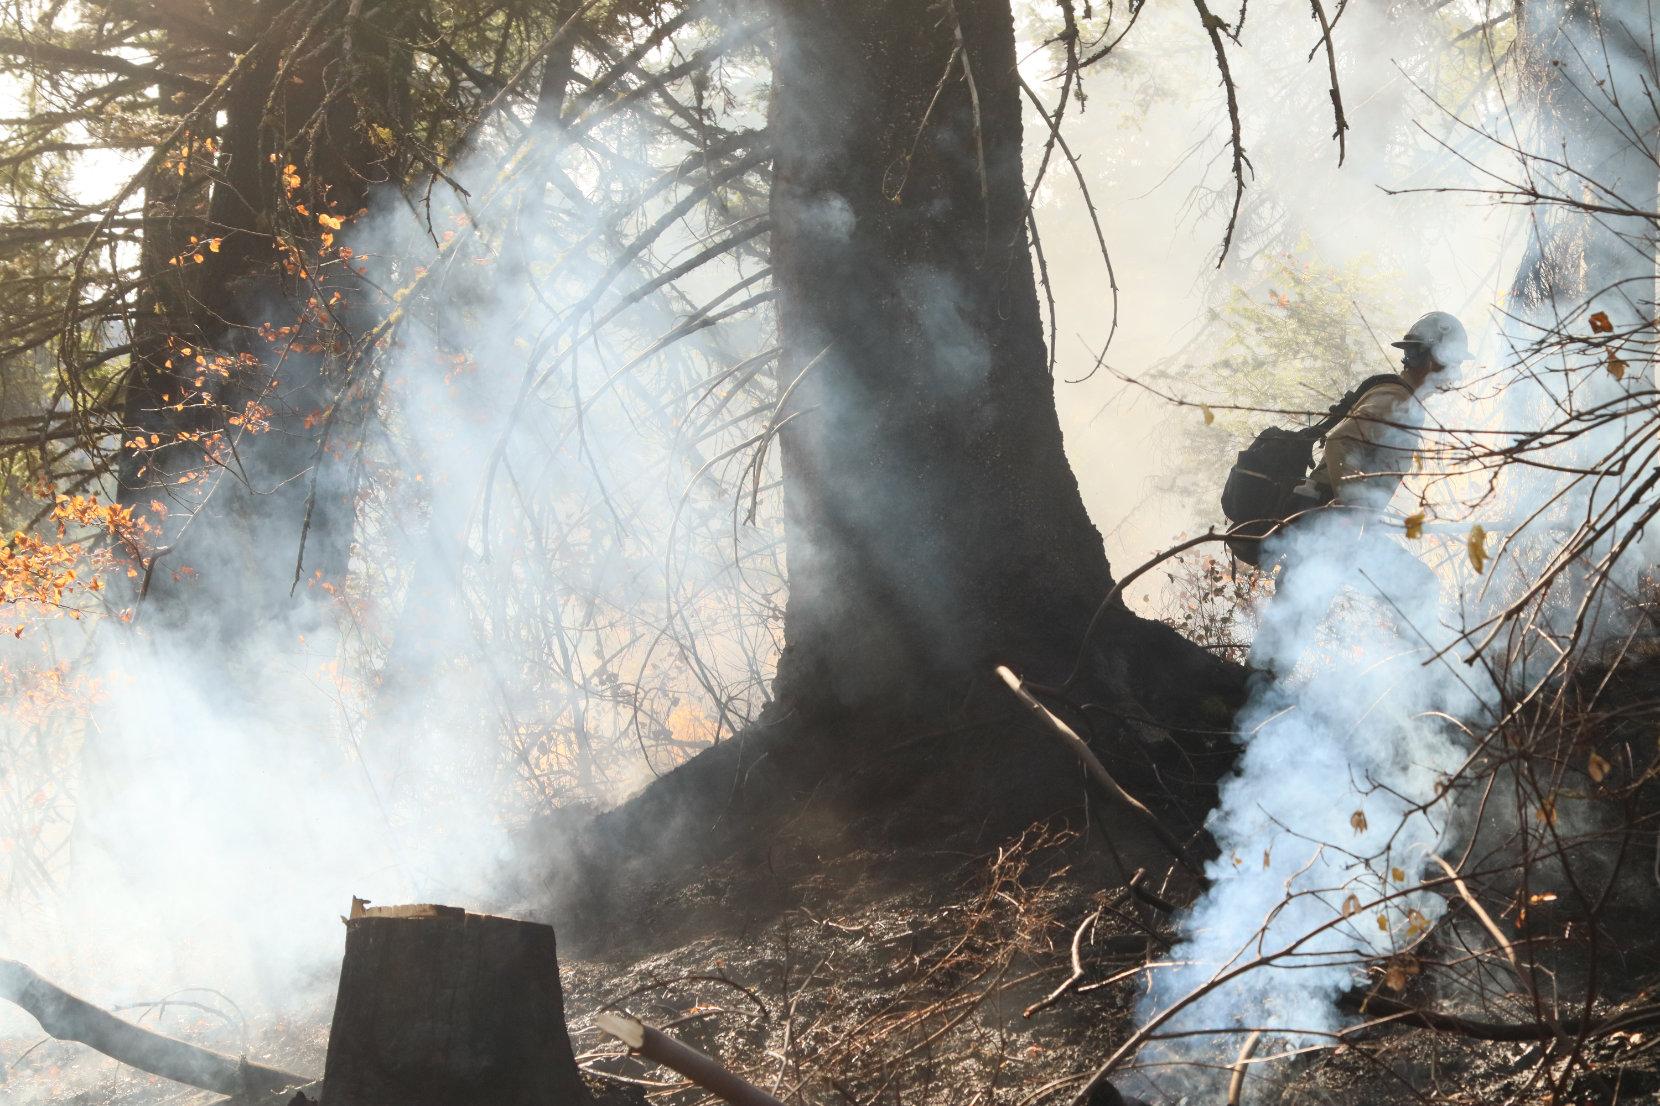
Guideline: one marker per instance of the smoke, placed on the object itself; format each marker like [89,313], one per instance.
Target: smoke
[1151,143]
[1364,710]
[551,567]
[563,579]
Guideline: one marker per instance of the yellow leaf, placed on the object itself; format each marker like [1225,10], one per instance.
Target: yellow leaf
[1358,821]
[1415,525]
[213,244]
[1598,769]
[1398,874]
[1476,545]
[1210,416]
[333,222]
[1383,923]
[1547,810]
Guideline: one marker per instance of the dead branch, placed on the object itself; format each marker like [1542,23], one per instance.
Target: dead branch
[1077,968]
[660,1048]
[1319,14]
[1138,888]
[1506,945]
[1393,1010]
[69,1018]
[1098,771]
[1236,1084]
[1215,27]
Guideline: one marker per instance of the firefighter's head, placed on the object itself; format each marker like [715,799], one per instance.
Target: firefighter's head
[1434,347]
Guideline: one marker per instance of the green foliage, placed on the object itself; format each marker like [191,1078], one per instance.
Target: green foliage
[1306,334]
[1281,351]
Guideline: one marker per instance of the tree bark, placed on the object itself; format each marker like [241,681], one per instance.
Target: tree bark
[934,526]
[438,1007]
[297,146]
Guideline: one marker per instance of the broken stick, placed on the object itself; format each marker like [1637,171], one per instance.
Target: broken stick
[70,1018]
[1097,770]
[660,1048]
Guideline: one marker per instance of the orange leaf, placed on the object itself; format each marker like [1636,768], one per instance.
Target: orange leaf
[1600,323]
[1476,546]
[1598,768]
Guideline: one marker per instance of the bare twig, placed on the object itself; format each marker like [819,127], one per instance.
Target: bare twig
[1071,981]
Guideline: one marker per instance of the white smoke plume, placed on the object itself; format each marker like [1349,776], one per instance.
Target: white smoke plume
[1365,710]
[566,575]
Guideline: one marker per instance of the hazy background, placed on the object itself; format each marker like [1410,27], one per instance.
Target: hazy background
[1152,144]
[257,918]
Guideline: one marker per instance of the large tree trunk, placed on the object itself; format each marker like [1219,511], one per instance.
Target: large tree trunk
[935,528]
[262,326]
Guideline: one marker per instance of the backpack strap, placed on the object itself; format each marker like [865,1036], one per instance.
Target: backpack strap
[1340,410]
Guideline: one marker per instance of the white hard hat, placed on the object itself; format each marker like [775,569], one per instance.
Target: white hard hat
[1442,335]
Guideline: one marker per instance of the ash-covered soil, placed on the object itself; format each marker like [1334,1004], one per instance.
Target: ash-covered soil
[869,976]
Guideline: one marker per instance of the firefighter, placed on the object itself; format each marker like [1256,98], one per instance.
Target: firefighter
[1368,452]
[1335,539]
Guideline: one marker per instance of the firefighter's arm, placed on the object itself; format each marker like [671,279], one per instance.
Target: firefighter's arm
[1361,465]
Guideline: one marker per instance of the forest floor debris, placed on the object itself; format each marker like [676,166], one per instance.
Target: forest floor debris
[874,985]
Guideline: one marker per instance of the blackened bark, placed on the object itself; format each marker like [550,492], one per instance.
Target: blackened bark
[175,201]
[934,526]
[313,104]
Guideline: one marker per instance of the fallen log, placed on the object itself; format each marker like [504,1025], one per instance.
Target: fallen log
[439,1007]
[70,1018]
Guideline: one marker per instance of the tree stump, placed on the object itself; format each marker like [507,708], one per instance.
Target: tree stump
[439,1007]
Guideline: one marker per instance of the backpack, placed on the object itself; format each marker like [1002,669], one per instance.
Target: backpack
[1257,496]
